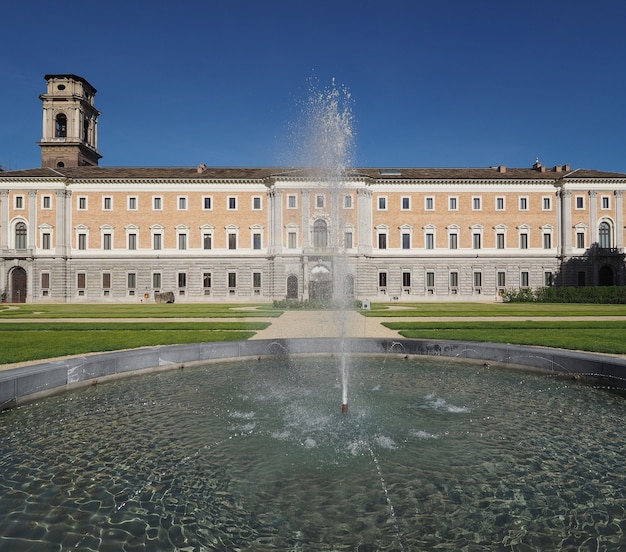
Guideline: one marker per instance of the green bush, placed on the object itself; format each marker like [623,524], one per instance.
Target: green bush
[566,294]
[311,304]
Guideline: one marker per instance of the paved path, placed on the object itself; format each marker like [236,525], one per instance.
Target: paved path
[324,324]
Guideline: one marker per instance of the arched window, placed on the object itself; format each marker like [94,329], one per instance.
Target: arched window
[604,235]
[86,130]
[348,286]
[60,127]
[320,234]
[292,287]
[20,235]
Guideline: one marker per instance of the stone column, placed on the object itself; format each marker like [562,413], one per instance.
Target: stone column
[306,217]
[365,221]
[32,219]
[4,219]
[619,220]
[565,239]
[593,215]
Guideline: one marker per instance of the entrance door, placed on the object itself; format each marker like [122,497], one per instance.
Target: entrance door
[605,276]
[18,285]
[321,284]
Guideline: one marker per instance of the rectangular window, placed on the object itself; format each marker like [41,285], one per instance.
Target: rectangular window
[232,279]
[182,241]
[430,241]
[454,279]
[476,241]
[81,279]
[547,279]
[523,241]
[292,240]
[476,204]
[523,204]
[347,201]
[406,279]
[291,202]
[132,203]
[580,240]
[45,280]
[46,202]
[131,280]
[499,204]
[347,240]
[581,279]
[430,204]
[82,241]
[232,241]
[156,280]
[256,241]
[19,202]
[107,203]
[182,203]
[256,280]
[319,201]
[382,203]
[453,204]
[453,238]
[501,279]
[580,202]
[606,202]
[207,203]
[500,240]
[82,203]
[206,280]
[406,240]
[430,280]
[106,280]
[207,241]
[478,279]
[132,241]
[256,203]
[547,241]
[524,278]
[157,241]
[382,241]
[157,203]
[405,203]
[232,203]
[382,279]
[106,241]
[547,204]
[182,279]
[45,240]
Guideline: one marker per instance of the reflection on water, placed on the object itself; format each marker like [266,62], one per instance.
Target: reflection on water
[257,456]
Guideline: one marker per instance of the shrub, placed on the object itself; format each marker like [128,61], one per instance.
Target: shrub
[566,294]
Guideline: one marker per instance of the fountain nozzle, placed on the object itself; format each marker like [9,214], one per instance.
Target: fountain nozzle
[344,408]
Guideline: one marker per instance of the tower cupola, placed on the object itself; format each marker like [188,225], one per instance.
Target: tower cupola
[70,123]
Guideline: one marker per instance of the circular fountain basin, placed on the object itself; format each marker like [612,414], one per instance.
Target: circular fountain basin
[256,455]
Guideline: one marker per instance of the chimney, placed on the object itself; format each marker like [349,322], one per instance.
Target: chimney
[501,169]
[558,168]
[201,168]
[567,167]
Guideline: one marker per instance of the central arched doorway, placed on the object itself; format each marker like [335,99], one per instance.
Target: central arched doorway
[18,285]
[321,284]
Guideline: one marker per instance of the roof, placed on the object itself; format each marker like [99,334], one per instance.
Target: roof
[261,173]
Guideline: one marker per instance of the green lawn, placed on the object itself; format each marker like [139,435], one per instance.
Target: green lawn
[595,336]
[36,338]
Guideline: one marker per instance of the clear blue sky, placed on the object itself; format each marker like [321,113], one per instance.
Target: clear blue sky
[435,83]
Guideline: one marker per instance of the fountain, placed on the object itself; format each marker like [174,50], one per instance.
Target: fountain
[251,455]
[325,140]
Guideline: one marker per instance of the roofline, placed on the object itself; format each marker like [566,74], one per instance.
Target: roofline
[70,76]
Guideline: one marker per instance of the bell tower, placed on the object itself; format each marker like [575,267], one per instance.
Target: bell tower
[70,123]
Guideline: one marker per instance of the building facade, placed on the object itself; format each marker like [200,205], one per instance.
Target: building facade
[73,231]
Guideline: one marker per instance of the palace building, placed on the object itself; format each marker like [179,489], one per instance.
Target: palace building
[74,231]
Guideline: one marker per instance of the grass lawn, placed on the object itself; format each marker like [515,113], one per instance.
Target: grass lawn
[34,337]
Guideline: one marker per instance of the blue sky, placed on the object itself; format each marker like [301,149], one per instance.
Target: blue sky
[438,83]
